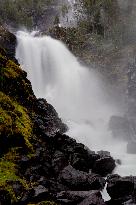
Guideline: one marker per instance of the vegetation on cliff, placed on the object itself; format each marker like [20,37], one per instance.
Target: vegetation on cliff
[18,111]
[15,121]
[15,128]
[23,12]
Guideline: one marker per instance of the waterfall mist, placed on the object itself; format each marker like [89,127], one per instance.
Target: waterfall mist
[77,93]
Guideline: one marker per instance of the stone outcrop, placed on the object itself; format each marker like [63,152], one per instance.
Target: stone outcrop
[8,42]
[121,189]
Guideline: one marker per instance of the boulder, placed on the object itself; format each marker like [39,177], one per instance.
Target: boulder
[129,202]
[59,161]
[5,198]
[103,166]
[79,180]
[41,192]
[120,188]
[8,42]
[77,154]
[94,198]
[53,185]
[80,197]
[47,120]
[83,159]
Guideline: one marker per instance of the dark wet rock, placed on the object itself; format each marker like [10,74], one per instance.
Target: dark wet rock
[77,197]
[8,42]
[94,198]
[34,172]
[5,198]
[114,202]
[120,188]
[39,164]
[103,166]
[24,162]
[27,197]
[129,202]
[17,188]
[78,155]
[79,180]
[40,192]
[74,195]
[52,185]
[59,161]
[134,192]
[103,153]
[47,119]
[82,159]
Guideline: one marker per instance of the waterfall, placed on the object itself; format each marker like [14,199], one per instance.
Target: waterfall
[77,93]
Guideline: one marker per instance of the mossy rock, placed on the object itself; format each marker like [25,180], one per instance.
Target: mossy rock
[15,123]
[6,35]
[2,51]
[12,70]
[3,58]
[8,176]
[14,82]
[9,69]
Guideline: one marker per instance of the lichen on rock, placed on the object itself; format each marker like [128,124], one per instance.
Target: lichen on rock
[15,123]
[8,177]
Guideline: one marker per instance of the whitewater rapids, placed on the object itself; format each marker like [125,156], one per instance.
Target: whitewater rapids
[76,92]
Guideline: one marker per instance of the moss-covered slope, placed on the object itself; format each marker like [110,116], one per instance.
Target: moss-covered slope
[19,132]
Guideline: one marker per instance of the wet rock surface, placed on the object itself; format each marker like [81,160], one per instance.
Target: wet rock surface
[47,119]
[79,180]
[104,165]
[121,189]
[8,42]
[80,197]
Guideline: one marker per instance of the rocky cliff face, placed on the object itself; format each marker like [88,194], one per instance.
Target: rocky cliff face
[8,42]
[39,164]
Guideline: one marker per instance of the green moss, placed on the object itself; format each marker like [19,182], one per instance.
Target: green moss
[12,155]
[8,174]
[2,58]
[5,121]
[3,61]
[12,70]
[8,68]
[14,120]
[2,51]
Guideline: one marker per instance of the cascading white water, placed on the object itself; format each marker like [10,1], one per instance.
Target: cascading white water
[76,92]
